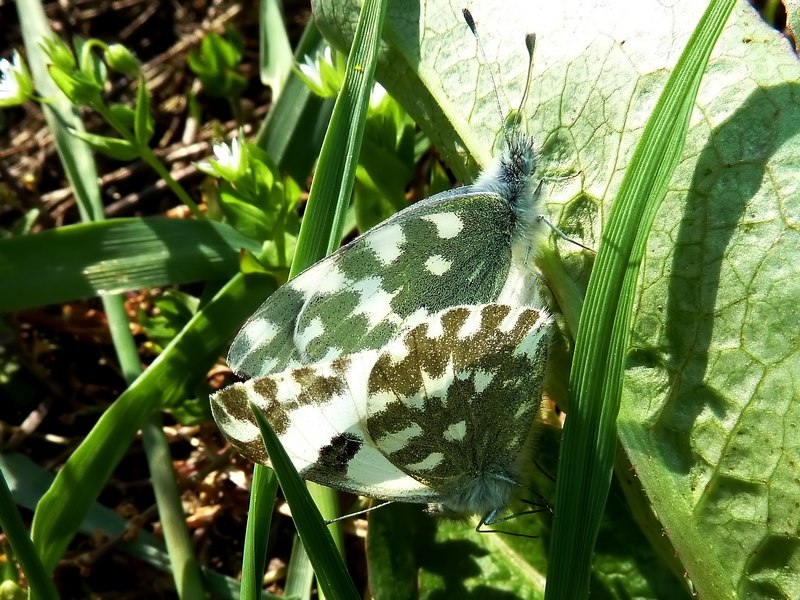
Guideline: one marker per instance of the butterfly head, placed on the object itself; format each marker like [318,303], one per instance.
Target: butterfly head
[513,177]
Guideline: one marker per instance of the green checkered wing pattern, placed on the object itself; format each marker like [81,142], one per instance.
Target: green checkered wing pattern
[462,246]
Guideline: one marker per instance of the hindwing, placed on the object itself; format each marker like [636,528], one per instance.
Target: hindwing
[440,414]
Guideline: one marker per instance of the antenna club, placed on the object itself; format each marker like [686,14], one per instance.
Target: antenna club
[470,21]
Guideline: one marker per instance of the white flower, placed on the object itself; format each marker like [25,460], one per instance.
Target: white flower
[310,69]
[321,73]
[228,156]
[15,81]
[229,162]
[377,95]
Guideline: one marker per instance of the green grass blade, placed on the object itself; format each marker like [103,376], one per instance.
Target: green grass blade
[78,164]
[590,439]
[331,572]
[170,378]
[28,482]
[335,176]
[293,131]
[256,537]
[39,580]
[292,135]
[334,179]
[108,257]
[76,156]
[275,52]
[299,572]
[186,572]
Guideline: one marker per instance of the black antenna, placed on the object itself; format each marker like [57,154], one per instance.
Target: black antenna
[471,24]
[530,43]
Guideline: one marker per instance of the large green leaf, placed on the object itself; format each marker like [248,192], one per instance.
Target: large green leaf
[711,406]
[108,257]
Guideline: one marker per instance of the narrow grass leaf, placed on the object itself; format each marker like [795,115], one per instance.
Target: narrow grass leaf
[78,163]
[108,257]
[262,495]
[332,576]
[28,482]
[589,442]
[275,52]
[171,377]
[335,175]
[143,126]
[39,581]
[293,131]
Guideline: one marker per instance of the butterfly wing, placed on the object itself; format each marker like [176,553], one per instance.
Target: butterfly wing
[453,248]
[452,400]
[317,412]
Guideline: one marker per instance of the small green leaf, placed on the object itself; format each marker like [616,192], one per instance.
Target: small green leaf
[90,64]
[275,56]
[250,220]
[58,52]
[216,64]
[75,86]
[113,147]
[170,313]
[143,124]
[123,114]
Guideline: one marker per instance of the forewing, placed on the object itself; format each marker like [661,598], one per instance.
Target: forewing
[453,248]
[455,397]
[317,412]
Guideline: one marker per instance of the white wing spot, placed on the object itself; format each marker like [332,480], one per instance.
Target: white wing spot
[431,461]
[417,401]
[242,430]
[381,400]
[438,387]
[259,331]
[399,440]
[456,432]
[287,388]
[472,325]
[313,330]
[323,278]
[415,318]
[482,380]
[375,302]
[525,406]
[330,354]
[438,264]
[387,245]
[448,224]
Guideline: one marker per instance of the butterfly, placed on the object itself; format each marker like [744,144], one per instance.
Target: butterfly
[442,414]
[408,365]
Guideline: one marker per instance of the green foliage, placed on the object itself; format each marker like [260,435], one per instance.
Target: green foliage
[707,404]
[386,162]
[170,313]
[251,195]
[216,64]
